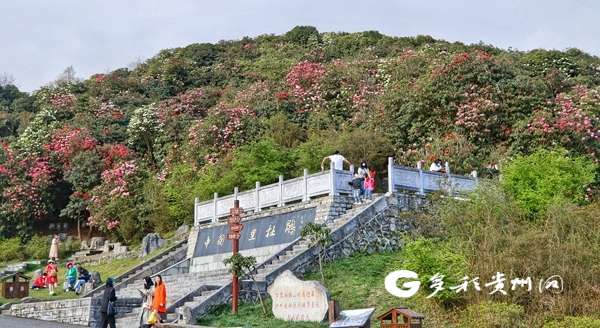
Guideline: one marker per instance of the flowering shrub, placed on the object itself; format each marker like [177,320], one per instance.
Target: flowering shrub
[117,178]
[304,80]
[106,206]
[114,153]
[223,129]
[67,141]
[188,102]
[477,114]
[568,123]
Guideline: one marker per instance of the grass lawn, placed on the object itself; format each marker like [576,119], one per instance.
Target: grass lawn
[250,315]
[106,269]
[355,282]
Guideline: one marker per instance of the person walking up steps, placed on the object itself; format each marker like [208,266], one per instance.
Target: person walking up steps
[337,159]
[369,186]
[107,305]
[159,300]
[146,294]
[356,184]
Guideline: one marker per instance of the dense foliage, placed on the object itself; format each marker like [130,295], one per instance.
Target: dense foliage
[126,152]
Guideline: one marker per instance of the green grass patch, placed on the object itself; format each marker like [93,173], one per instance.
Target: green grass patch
[250,315]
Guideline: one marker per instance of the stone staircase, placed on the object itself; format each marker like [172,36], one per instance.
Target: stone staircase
[171,255]
[302,245]
[179,287]
[203,301]
[197,291]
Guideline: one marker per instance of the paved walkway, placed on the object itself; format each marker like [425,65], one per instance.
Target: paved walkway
[13,322]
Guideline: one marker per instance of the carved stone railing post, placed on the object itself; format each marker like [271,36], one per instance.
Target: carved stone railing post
[215,207]
[332,174]
[305,186]
[196,203]
[390,175]
[280,201]
[257,197]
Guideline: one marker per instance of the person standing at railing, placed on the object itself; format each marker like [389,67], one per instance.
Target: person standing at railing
[369,186]
[363,171]
[437,166]
[356,184]
[337,159]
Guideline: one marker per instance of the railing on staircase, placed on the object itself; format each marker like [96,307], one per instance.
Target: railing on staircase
[416,179]
[331,182]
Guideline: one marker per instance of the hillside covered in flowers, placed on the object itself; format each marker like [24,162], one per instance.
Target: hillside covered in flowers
[126,152]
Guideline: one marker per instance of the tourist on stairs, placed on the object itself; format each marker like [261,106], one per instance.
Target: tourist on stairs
[336,159]
[356,184]
[159,300]
[369,186]
[147,298]
[107,305]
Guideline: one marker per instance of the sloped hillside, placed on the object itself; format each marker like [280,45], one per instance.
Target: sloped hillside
[125,152]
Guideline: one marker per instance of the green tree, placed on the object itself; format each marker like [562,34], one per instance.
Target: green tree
[262,161]
[143,130]
[245,266]
[302,34]
[318,236]
[545,177]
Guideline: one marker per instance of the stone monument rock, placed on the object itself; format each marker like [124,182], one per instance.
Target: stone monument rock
[151,242]
[95,278]
[182,232]
[298,300]
[96,242]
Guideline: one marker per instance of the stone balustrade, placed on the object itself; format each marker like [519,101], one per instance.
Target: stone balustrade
[331,182]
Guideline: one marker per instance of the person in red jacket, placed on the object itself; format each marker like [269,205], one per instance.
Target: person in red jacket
[159,300]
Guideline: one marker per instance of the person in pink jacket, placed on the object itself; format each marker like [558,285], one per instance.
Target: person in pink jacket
[369,186]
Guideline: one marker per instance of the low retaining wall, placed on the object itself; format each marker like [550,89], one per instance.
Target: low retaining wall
[75,312]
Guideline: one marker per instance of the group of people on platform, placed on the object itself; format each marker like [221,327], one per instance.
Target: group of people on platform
[154,307]
[363,180]
[75,278]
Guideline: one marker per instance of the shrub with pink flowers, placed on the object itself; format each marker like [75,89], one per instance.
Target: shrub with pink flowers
[567,123]
[304,80]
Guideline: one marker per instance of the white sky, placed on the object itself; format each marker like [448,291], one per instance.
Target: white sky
[42,37]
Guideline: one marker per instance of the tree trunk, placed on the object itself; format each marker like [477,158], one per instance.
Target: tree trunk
[79,228]
[321,267]
[262,304]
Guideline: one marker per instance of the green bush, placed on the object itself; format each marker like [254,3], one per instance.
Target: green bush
[427,257]
[38,247]
[545,177]
[492,315]
[11,250]
[262,161]
[574,322]
[68,247]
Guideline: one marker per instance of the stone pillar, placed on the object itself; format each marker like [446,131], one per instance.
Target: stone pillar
[390,175]
[332,191]
[236,191]
[257,197]
[280,201]
[196,202]
[215,201]
[421,181]
[305,186]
